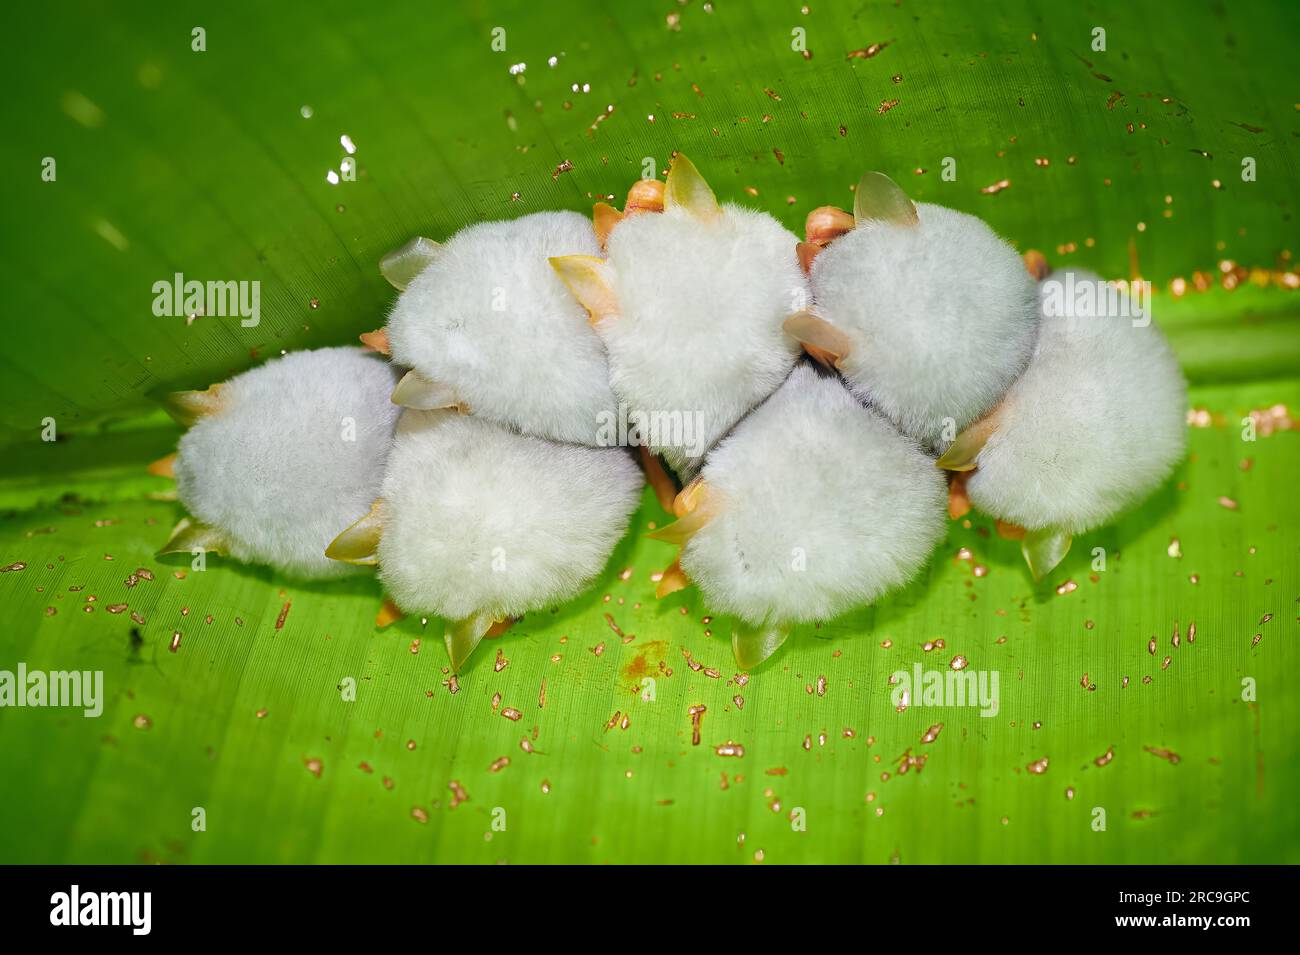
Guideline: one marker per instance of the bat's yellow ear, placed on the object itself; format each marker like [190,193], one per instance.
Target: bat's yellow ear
[879,197]
[694,507]
[1044,550]
[416,391]
[686,189]
[586,278]
[403,264]
[819,338]
[191,535]
[359,544]
[964,452]
[187,407]
[753,645]
[463,636]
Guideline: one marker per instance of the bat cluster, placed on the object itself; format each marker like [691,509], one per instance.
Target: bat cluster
[824,380]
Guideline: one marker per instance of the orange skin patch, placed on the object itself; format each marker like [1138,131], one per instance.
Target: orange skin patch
[958,502]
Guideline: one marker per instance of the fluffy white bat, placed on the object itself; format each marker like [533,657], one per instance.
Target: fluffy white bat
[278,458]
[478,524]
[1095,424]
[813,506]
[486,326]
[689,303]
[927,313]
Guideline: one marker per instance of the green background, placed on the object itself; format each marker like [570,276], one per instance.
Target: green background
[170,160]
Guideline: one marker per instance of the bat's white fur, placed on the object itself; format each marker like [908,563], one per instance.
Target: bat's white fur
[941,316]
[477,518]
[813,476]
[699,325]
[274,469]
[489,317]
[1095,424]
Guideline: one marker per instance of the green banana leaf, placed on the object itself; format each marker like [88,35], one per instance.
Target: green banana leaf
[250,718]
